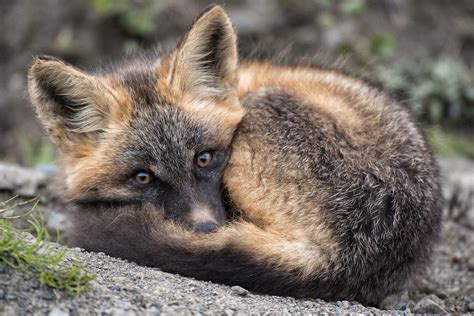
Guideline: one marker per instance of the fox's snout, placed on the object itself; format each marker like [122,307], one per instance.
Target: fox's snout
[204,219]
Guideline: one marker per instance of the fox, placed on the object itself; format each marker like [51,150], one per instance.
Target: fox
[286,180]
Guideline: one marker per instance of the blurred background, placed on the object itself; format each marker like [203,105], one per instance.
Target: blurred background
[421,51]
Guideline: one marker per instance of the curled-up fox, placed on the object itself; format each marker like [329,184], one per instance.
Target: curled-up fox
[284,180]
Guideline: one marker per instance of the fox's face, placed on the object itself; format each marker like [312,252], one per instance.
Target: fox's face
[154,132]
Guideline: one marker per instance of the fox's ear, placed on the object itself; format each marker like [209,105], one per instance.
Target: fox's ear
[205,61]
[73,106]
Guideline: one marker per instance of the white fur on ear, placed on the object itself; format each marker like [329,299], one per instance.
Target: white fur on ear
[205,62]
[68,101]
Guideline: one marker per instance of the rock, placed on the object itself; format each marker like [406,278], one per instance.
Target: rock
[435,299]
[58,311]
[397,301]
[152,311]
[239,290]
[428,306]
[470,306]
[20,180]
[57,220]
[9,311]
[470,264]
[10,297]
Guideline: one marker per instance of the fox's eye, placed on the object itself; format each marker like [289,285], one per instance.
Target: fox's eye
[203,159]
[143,177]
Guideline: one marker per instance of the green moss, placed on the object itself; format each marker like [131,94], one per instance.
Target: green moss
[37,258]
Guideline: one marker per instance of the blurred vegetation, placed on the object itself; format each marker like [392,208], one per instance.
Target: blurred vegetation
[346,7]
[65,41]
[450,144]
[35,154]
[438,91]
[377,45]
[36,258]
[134,17]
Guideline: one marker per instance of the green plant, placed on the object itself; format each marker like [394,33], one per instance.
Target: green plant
[35,154]
[449,143]
[65,41]
[438,91]
[382,45]
[38,257]
[352,7]
[135,17]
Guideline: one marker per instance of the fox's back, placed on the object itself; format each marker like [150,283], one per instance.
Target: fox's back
[345,162]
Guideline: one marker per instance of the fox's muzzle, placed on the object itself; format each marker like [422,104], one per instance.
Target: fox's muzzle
[205,219]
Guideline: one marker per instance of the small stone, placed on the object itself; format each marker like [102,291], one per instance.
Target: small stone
[470,264]
[2,294]
[152,311]
[397,301]
[10,297]
[428,306]
[435,299]
[410,305]
[345,304]
[122,312]
[57,311]
[239,290]
[47,295]
[470,306]
[9,311]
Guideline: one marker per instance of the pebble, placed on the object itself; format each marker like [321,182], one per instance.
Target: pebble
[122,312]
[2,294]
[58,311]
[9,311]
[397,301]
[470,306]
[152,311]
[239,290]
[10,297]
[470,264]
[435,299]
[47,294]
[428,306]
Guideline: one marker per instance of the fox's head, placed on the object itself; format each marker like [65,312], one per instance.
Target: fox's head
[155,132]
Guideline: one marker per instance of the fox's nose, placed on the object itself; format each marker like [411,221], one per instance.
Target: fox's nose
[205,227]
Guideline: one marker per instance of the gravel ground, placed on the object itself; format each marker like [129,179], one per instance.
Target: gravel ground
[124,288]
